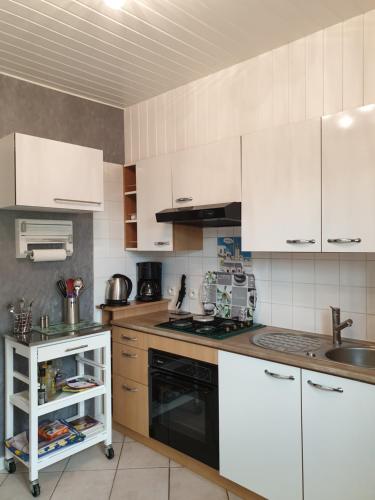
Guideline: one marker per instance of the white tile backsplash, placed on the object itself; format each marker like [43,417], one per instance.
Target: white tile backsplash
[327,272]
[282,315]
[303,271]
[303,295]
[294,290]
[281,269]
[353,273]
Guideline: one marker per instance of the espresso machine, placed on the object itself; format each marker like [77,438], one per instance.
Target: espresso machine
[148,281]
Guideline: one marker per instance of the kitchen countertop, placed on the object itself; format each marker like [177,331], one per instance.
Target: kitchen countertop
[38,339]
[241,344]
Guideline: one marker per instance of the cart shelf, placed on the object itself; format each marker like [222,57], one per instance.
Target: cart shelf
[62,400]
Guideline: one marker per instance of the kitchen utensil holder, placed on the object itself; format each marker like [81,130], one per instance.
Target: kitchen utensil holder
[22,323]
[71,310]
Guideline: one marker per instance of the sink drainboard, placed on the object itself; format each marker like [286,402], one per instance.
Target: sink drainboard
[286,342]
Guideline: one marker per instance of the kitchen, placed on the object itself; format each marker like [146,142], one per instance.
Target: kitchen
[109,134]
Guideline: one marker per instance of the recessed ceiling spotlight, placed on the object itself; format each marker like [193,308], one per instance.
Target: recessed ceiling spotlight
[114,4]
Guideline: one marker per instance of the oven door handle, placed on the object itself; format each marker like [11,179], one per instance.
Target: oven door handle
[174,379]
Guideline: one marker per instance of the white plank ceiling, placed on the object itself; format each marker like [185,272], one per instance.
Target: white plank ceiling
[121,57]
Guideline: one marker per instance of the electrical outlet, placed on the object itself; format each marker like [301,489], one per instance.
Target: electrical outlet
[193,293]
[171,291]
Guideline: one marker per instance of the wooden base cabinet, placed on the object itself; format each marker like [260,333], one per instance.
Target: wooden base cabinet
[338,438]
[130,404]
[260,426]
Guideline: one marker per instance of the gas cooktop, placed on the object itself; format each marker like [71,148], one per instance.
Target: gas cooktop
[210,326]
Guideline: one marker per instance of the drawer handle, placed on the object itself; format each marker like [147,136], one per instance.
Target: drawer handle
[129,389]
[277,375]
[130,339]
[68,200]
[76,348]
[183,199]
[128,355]
[161,243]
[344,240]
[325,387]
[300,242]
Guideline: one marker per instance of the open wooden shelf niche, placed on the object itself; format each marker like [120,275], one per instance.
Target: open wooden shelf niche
[130,206]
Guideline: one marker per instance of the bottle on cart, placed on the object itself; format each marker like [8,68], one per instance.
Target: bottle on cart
[42,395]
[50,381]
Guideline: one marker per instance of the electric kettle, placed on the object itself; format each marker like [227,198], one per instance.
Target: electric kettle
[118,290]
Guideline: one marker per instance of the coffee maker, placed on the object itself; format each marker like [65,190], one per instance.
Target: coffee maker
[148,281]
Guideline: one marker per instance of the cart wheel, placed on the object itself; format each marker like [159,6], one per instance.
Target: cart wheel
[11,467]
[109,452]
[35,489]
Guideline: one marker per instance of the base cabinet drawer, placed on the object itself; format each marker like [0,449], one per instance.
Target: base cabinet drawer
[130,362]
[130,404]
[70,347]
[132,338]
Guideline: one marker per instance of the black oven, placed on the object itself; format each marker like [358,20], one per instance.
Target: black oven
[184,405]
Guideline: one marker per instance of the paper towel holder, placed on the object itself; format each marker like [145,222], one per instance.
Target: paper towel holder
[43,234]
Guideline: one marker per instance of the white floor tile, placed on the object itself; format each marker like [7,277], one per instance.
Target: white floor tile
[17,486]
[141,484]
[136,455]
[3,477]
[84,485]
[117,437]
[94,458]
[184,484]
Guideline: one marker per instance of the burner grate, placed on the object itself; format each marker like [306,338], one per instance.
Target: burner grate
[286,342]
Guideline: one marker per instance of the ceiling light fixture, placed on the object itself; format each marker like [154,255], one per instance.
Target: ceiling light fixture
[114,4]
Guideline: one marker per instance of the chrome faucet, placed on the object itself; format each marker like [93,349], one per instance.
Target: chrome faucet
[337,326]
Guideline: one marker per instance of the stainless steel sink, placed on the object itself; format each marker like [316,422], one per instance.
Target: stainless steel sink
[358,356]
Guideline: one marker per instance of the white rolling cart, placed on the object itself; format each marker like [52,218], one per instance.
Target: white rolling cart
[41,349]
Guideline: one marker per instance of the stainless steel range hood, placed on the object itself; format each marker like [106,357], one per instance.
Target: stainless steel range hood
[218,215]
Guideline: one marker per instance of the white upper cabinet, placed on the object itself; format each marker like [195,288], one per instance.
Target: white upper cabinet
[41,173]
[154,193]
[207,174]
[338,438]
[348,175]
[281,188]
[260,426]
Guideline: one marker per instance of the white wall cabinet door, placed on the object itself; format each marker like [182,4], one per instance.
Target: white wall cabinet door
[281,188]
[348,175]
[207,174]
[53,174]
[154,193]
[338,438]
[260,426]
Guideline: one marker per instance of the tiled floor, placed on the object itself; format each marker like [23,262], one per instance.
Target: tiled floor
[136,473]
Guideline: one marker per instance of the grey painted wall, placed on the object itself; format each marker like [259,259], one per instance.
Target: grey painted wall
[35,110]
[42,112]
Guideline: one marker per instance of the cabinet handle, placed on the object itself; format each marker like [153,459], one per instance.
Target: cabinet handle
[325,387]
[300,242]
[277,375]
[76,348]
[67,200]
[130,339]
[183,199]
[161,243]
[129,389]
[128,355]
[344,240]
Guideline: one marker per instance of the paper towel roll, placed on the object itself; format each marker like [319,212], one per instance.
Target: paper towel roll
[48,255]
